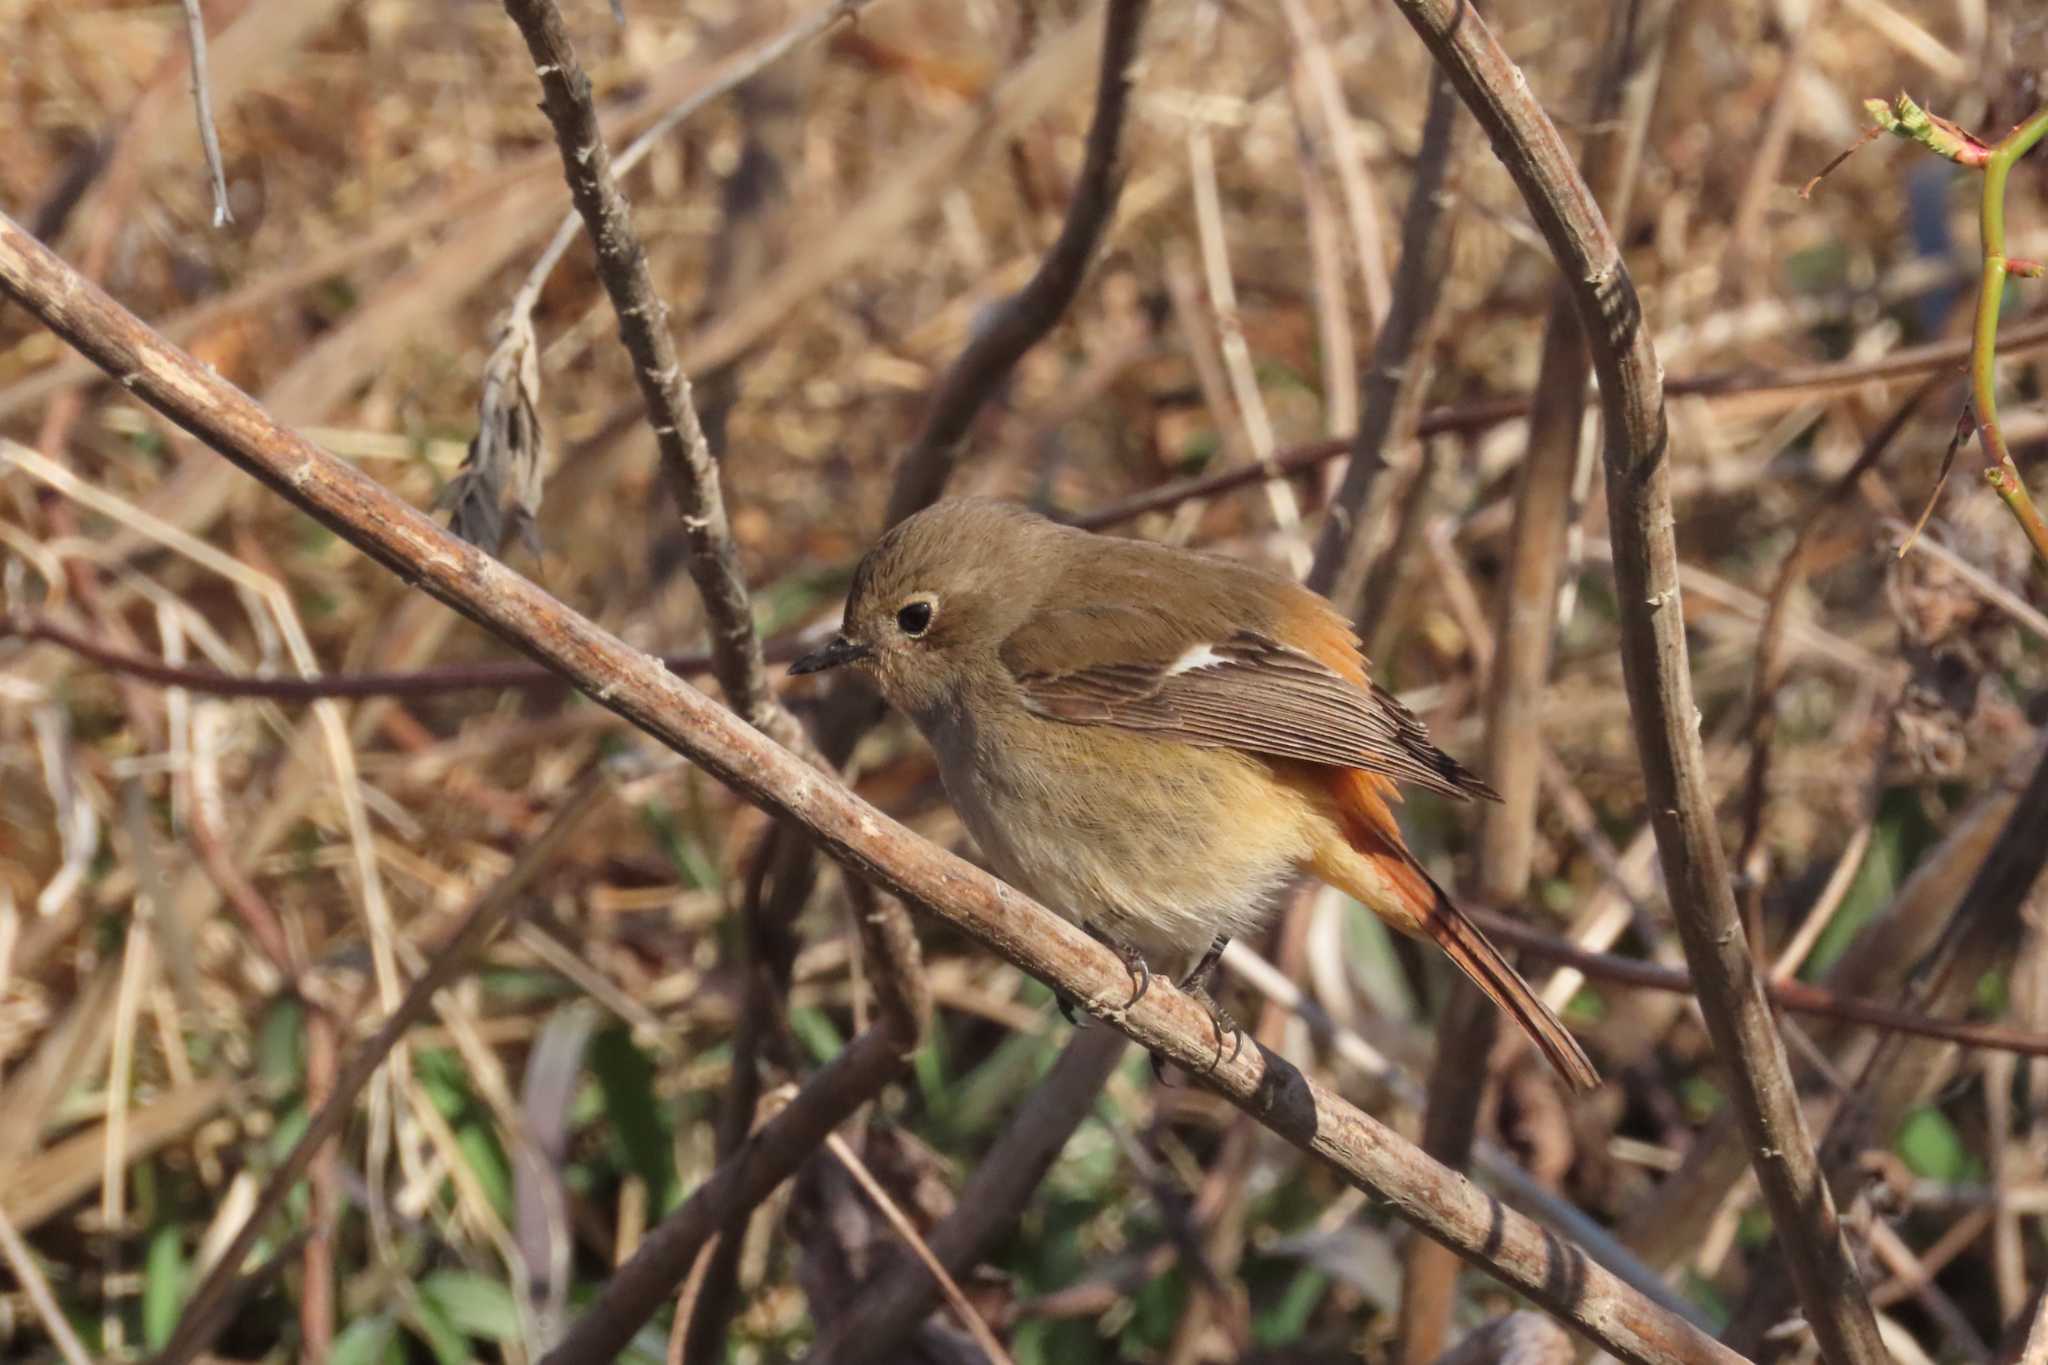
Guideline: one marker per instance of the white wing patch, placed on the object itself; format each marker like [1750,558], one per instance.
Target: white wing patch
[1198,656]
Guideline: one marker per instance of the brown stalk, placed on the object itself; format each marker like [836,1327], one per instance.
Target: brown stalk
[1445,1206]
[1525,617]
[1391,388]
[1023,320]
[1654,660]
[1797,996]
[713,559]
[643,328]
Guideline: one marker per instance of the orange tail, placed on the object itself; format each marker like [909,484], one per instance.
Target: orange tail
[1381,870]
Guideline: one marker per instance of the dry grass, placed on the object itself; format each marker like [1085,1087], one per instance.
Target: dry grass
[201,899]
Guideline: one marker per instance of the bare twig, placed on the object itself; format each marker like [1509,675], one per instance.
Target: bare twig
[1797,996]
[1022,320]
[1391,387]
[872,1327]
[1525,618]
[22,1262]
[770,1156]
[202,108]
[948,1286]
[643,327]
[1654,658]
[722,80]
[1506,1244]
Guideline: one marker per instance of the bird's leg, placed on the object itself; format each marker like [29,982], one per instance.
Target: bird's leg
[1196,984]
[1067,1006]
[1134,963]
[1199,977]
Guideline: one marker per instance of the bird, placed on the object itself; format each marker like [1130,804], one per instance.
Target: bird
[1153,741]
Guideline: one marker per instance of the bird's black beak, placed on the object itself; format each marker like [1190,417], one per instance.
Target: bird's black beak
[840,651]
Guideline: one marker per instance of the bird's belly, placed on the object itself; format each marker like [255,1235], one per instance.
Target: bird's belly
[1161,846]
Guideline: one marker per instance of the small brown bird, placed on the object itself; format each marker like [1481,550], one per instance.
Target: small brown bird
[1151,740]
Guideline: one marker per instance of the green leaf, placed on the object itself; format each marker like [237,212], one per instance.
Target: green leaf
[1286,1320]
[1932,1148]
[366,1341]
[1899,836]
[487,1159]
[816,1033]
[633,1113]
[164,1285]
[432,1326]
[698,872]
[475,1305]
[280,1050]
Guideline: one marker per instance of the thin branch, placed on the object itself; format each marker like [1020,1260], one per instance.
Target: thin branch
[1637,458]
[1797,996]
[637,1289]
[1023,320]
[1442,1204]
[873,1325]
[14,1251]
[957,1301]
[643,327]
[202,108]
[1999,470]
[1390,390]
[1524,622]
[207,1311]
[722,80]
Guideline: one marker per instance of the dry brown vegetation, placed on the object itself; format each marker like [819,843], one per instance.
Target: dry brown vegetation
[208,902]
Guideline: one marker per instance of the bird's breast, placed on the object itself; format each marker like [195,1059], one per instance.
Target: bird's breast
[1159,844]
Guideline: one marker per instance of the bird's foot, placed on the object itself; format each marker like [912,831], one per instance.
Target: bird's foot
[1134,963]
[1219,1018]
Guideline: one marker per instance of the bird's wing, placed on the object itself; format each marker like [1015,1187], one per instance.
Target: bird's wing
[1141,670]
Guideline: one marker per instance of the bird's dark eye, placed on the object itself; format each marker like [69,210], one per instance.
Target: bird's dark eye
[914,618]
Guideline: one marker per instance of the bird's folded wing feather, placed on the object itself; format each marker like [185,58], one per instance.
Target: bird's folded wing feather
[1139,670]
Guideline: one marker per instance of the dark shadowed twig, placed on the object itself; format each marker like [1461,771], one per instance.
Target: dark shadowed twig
[872,1327]
[1390,390]
[207,1311]
[1654,662]
[202,109]
[1013,327]
[1817,378]
[1553,1272]
[643,327]
[1022,320]
[722,80]
[1797,996]
[1524,622]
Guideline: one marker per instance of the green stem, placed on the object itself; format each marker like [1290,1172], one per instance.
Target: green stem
[1999,470]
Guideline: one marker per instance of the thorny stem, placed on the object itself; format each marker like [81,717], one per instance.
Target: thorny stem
[1999,470]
